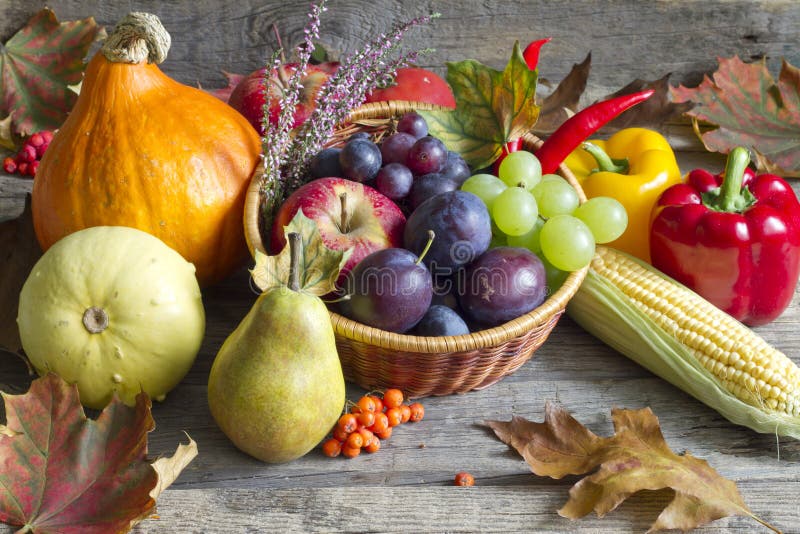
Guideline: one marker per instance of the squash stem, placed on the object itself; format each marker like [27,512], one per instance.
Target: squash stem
[95,319]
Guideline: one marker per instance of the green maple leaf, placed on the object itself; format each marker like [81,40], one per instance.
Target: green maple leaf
[492,108]
[37,66]
[750,109]
[319,266]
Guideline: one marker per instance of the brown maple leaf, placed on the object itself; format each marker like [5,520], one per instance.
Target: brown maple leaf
[750,108]
[635,458]
[19,252]
[63,473]
[37,66]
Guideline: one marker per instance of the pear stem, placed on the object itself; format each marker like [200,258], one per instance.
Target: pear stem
[344,223]
[431,236]
[295,250]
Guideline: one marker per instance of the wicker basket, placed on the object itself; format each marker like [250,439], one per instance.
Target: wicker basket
[423,366]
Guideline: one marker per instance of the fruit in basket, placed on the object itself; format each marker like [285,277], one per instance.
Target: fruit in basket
[348,214]
[394,180]
[430,185]
[415,84]
[142,150]
[360,159]
[462,226]
[394,148]
[413,124]
[441,320]
[427,155]
[567,242]
[248,97]
[390,289]
[485,186]
[514,211]
[112,309]
[456,168]
[326,163]
[276,386]
[502,284]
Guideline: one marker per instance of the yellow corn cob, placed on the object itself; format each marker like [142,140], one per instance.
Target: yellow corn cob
[683,338]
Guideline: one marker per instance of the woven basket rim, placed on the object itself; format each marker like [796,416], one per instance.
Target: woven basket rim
[482,339]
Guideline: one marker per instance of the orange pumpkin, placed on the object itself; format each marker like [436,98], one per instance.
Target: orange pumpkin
[140,149]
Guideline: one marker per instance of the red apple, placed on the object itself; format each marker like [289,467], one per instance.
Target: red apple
[369,221]
[248,96]
[416,84]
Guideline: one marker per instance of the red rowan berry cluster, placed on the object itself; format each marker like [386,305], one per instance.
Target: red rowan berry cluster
[26,162]
[369,421]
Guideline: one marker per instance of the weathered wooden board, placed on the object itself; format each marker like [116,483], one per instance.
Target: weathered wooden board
[406,486]
[627,38]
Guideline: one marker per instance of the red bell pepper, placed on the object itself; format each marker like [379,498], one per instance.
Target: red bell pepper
[734,238]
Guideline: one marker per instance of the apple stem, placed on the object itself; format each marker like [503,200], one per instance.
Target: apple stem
[344,224]
[279,40]
[295,250]
[431,236]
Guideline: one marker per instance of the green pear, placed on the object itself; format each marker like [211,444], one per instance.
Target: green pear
[276,386]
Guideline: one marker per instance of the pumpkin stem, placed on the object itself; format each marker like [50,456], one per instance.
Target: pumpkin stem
[95,319]
[136,38]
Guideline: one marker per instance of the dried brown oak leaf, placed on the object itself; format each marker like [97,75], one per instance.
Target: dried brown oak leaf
[63,473]
[635,458]
[750,109]
[19,252]
[37,66]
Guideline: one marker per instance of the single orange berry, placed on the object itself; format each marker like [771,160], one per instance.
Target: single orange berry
[385,434]
[366,418]
[350,452]
[374,445]
[395,416]
[332,447]
[381,423]
[378,403]
[340,434]
[464,479]
[366,434]
[347,423]
[417,412]
[392,398]
[355,440]
[366,404]
[406,411]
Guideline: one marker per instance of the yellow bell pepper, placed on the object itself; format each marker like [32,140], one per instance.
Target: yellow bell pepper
[633,166]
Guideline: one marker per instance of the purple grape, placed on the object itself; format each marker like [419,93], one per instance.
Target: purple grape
[456,168]
[413,123]
[430,185]
[427,155]
[388,290]
[326,163]
[394,180]
[359,135]
[462,226]
[394,148]
[502,284]
[441,321]
[360,160]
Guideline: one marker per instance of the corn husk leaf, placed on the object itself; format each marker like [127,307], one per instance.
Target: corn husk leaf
[607,313]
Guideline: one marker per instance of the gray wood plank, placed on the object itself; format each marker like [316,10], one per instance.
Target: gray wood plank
[627,38]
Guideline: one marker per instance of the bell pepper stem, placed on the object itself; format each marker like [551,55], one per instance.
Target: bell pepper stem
[730,197]
[606,163]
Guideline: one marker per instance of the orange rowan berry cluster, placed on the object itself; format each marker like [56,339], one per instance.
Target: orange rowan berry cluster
[26,161]
[369,421]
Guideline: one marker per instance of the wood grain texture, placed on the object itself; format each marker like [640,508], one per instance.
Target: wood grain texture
[406,486]
[627,38]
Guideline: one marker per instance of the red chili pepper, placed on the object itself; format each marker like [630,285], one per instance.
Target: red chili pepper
[531,52]
[580,126]
[733,238]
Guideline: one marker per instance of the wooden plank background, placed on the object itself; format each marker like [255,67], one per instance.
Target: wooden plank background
[406,486]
